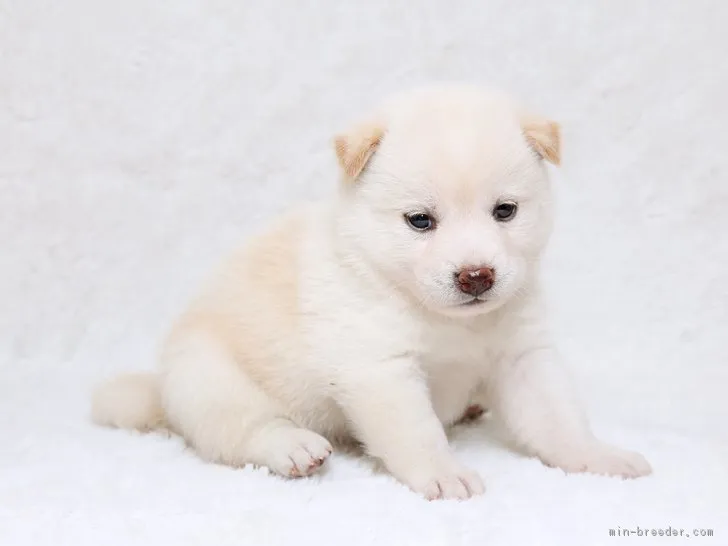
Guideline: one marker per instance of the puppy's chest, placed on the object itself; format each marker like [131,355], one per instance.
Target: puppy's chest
[445,345]
[457,363]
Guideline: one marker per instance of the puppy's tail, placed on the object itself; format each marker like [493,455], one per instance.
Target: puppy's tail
[131,401]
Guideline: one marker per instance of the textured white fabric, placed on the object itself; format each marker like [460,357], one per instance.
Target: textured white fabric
[140,141]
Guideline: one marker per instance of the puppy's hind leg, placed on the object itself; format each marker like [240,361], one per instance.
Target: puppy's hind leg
[226,417]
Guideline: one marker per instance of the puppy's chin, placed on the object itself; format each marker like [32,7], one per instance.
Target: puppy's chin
[467,309]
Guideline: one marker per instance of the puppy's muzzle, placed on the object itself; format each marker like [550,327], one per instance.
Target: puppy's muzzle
[475,281]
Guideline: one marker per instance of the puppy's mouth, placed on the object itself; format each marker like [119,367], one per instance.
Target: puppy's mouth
[472,303]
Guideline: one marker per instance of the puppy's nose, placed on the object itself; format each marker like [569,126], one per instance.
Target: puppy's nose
[475,280]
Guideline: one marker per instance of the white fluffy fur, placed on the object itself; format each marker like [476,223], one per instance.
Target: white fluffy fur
[343,322]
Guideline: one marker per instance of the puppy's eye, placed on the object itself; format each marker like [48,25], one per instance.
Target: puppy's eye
[420,221]
[503,212]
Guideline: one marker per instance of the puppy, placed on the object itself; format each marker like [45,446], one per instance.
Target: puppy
[385,313]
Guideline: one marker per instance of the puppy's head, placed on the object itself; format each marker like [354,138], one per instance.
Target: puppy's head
[446,193]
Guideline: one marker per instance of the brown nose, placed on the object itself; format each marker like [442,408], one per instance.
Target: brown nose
[475,280]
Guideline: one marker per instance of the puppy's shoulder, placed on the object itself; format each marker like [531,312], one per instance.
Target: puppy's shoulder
[259,282]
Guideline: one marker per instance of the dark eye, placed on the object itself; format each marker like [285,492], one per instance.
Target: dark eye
[420,221]
[505,211]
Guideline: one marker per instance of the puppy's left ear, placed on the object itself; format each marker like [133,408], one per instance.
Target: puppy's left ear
[544,136]
[355,148]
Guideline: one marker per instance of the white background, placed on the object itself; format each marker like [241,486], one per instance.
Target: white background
[141,140]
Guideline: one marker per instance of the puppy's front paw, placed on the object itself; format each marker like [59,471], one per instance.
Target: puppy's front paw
[613,461]
[606,460]
[446,479]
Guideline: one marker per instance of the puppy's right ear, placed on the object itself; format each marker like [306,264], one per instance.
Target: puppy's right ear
[355,148]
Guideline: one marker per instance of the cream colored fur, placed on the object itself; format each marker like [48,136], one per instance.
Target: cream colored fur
[341,321]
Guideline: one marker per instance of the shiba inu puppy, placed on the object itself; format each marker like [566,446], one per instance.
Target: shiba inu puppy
[385,313]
